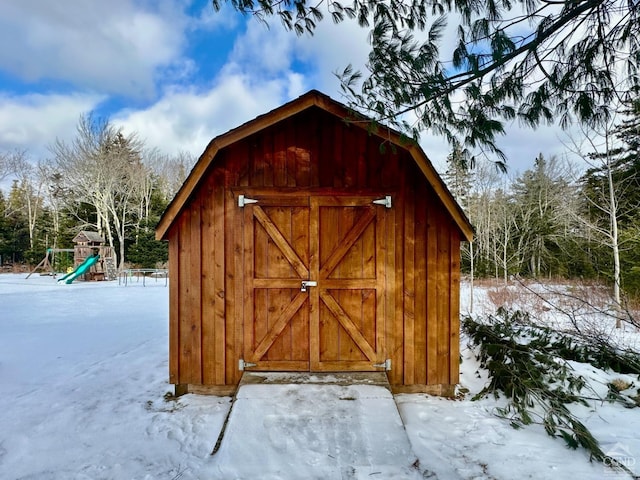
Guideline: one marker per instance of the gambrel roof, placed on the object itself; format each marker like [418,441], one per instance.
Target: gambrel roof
[311,99]
[88,237]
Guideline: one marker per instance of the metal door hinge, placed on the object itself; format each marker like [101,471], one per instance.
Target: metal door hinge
[242,364]
[386,365]
[386,201]
[242,200]
[307,283]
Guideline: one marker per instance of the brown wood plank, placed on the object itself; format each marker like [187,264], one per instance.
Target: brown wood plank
[352,305]
[454,302]
[300,324]
[332,199]
[350,164]
[280,249]
[290,136]
[375,164]
[372,246]
[420,324]
[303,168]
[174,306]
[409,286]
[219,254]
[209,247]
[279,158]
[220,311]
[313,145]
[349,283]
[249,272]
[337,141]
[432,300]
[329,234]
[315,351]
[394,286]
[348,266]
[394,168]
[216,390]
[379,250]
[338,366]
[288,196]
[275,197]
[195,297]
[372,304]
[363,166]
[239,158]
[256,163]
[184,279]
[190,309]
[287,283]
[443,294]
[258,321]
[281,366]
[436,389]
[267,158]
[276,299]
[229,346]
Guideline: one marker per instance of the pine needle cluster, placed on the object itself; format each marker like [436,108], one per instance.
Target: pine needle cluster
[529,365]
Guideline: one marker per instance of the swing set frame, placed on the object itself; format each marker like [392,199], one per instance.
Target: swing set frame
[46,263]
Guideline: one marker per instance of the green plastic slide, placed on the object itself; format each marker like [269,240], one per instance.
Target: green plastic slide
[82,268]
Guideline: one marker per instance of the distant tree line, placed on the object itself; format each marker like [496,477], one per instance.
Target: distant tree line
[557,219]
[102,180]
[547,222]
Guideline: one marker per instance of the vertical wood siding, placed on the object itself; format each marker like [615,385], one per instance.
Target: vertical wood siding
[313,152]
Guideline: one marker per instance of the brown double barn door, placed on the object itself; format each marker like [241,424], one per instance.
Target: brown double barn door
[337,245]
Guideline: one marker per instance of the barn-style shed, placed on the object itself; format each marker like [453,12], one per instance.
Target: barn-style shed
[305,242]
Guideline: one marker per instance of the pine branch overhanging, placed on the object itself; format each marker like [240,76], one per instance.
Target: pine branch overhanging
[534,61]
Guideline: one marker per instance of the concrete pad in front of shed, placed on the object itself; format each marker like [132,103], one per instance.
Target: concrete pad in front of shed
[325,430]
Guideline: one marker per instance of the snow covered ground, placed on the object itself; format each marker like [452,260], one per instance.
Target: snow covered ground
[83,369]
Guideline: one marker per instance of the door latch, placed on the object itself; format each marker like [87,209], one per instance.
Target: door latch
[307,283]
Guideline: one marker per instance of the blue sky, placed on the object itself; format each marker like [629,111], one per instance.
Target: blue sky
[173,71]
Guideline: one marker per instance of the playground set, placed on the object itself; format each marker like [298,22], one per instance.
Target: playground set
[92,260]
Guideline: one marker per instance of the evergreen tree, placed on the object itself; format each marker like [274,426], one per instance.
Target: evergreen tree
[542,196]
[17,231]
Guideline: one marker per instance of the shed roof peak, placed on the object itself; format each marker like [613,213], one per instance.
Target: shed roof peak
[310,99]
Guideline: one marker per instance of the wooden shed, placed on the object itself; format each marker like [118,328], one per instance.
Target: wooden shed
[304,242]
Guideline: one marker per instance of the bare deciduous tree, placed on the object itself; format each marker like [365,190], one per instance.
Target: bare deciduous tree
[98,167]
[602,193]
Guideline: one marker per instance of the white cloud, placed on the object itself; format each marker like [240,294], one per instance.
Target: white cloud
[121,47]
[263,51]
[114,46]
[32,122]
[268,51]
[208,19]
[331,49]
[187,119]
